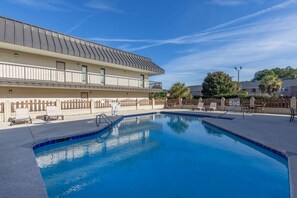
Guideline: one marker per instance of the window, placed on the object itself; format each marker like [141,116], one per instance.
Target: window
[102,76]
[253,90]
[84,95]
[142,80]
[84,71]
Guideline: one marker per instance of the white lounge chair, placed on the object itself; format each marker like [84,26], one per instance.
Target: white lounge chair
[21,115]
[213,106]
[53,112]
[200,106]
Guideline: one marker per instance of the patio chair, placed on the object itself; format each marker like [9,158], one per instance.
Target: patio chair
[115,108]
[213,106]
[293,112]
[21,115]
[53,112]
[200,106]
[261,108]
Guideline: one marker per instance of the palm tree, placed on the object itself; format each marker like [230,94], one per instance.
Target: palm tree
[270,84]
[179,90]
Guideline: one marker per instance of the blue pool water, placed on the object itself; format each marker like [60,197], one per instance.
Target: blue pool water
[162,156]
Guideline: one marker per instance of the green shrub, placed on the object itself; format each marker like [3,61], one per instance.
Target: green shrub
[232,95]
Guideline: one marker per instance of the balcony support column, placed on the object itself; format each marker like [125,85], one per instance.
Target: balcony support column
[153,103]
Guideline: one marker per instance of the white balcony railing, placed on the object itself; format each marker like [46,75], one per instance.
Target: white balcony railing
[30,73]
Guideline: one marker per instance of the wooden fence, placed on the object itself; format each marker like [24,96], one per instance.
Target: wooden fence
[190,102]
[159,102]
[205,101]
[104,103]
[145,102]
[210,100]
[75,104]
[244,101]
[126,103]
[32,105]
[172,102]
[274,102]
[270,102]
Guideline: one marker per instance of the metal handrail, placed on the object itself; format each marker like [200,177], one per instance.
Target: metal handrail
[242,109]
[105,118]
[26,72]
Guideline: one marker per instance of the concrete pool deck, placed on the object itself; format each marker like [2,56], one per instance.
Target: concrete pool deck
[20,175]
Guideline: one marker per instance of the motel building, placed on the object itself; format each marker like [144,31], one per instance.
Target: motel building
[37,64]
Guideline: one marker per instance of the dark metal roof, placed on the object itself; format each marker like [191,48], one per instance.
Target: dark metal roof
[19,33]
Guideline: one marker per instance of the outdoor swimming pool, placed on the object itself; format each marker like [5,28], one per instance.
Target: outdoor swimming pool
[162,155]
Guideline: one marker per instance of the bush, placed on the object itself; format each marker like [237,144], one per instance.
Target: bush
[233,95]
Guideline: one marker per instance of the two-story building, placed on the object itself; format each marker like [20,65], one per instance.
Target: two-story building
[37,63]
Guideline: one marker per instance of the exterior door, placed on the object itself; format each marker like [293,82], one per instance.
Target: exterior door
[60,73]
[102,76]
[142,80]
[84,71]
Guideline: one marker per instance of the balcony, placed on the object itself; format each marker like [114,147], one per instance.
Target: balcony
[20,75]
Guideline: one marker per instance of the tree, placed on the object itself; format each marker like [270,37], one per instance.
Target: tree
[179,90]
[159,95]
[288,72]
[259,75]
[216,83]
[178,125]
[270,84]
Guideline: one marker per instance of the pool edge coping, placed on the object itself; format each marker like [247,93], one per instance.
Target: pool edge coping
[278,151]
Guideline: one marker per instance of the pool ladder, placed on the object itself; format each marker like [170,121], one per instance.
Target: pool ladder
[102,118]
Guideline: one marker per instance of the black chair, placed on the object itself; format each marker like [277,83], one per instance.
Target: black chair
[292,114]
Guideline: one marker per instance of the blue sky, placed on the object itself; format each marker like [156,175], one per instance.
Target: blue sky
[188,38]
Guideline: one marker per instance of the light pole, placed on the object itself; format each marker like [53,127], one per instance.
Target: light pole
[238,70]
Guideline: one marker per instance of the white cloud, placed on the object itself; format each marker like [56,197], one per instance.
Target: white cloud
[38,4]
[198,37]
[103,5]
[233,2]
[79,24]
[227,2]
[51,5]
[266,44]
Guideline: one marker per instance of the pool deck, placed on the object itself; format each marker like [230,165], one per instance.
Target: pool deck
[20,175]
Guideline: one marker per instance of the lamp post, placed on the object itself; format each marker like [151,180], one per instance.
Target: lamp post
[238,70]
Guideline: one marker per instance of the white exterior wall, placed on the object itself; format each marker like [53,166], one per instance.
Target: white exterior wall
[8,56]
[22,94]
